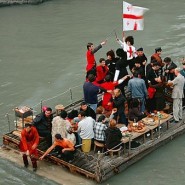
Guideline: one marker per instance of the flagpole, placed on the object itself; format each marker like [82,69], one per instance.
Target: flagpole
[123,34]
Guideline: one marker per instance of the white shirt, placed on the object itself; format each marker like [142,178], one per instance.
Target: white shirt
[130,50]
[85,128]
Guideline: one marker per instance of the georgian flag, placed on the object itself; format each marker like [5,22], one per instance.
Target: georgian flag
[133,17]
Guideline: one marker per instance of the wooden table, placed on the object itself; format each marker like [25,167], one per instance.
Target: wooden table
[149,128]
[158,123]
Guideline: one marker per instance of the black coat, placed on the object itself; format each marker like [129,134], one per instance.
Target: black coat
[90,112]
[42,123]
[113,137]
[118,102]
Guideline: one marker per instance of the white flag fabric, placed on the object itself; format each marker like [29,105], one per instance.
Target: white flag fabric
[133,17]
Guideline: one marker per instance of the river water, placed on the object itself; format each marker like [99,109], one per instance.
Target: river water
[42,56]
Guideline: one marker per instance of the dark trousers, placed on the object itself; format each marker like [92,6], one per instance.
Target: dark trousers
[67,155]
[33,160]
[47,136]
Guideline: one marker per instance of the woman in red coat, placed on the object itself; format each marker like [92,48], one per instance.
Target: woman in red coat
[109,85]
[28,145]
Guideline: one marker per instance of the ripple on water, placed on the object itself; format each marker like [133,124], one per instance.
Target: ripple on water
[10,174]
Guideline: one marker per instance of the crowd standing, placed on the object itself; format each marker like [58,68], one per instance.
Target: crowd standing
[124,87]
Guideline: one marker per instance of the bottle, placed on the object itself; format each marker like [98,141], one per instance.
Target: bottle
[134,123]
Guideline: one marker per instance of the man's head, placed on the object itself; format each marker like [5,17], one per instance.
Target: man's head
[140,52]
[158,50]
[63,114]
[102,61]
[136,74]
[137,63]
[177,71]
[90,46]
[83,106]
[91,78]
[117,92]
[58,137]
[167,60]
[171,69]
[48,112]
[156,66]
[81,115]
[28,126]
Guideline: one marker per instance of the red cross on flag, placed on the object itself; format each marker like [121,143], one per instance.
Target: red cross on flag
[133,17]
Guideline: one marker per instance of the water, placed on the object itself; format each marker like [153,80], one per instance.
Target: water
[43,54]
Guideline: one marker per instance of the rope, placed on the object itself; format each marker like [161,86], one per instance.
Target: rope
[55,96]
[112,148]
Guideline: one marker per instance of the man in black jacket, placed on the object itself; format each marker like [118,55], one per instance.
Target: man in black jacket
[43,124]
[88,111]
[119,103]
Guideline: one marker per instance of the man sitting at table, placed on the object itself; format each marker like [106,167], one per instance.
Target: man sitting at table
[134,113]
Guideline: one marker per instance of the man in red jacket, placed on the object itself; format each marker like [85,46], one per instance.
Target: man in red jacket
[91,62]
[28,145]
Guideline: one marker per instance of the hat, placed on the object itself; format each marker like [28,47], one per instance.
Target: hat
[44,108]
[58,136]
[59,107]
[158,49]
[140,49]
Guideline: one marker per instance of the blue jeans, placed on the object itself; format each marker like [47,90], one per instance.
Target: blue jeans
[93,106]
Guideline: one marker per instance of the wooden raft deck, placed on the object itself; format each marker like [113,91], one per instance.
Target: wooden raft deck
[101,167]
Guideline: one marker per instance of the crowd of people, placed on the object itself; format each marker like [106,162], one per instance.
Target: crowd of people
[129,86]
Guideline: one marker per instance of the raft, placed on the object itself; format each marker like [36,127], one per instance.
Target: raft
[97,164]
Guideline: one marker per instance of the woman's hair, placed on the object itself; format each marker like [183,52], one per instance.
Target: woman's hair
[130,39]
[99,110]
[112,123]
[111,53]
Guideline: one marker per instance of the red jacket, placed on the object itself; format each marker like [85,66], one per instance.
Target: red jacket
[107,96]
[101,73]
[90,60]
[28,139]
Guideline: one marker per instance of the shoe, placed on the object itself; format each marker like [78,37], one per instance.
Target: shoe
[34,169]
[26,165]
[176,121]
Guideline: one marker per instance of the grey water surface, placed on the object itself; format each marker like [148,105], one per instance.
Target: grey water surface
[42,56]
